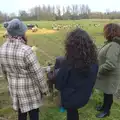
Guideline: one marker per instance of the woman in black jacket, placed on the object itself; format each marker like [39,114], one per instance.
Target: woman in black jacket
[77,74]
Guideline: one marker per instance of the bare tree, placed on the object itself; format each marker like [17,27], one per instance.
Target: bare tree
[47,12]
[58,11]
[63,10]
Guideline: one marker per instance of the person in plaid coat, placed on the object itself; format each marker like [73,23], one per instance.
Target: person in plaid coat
[23,72]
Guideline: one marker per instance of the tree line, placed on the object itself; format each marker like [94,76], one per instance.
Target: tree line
[70,12]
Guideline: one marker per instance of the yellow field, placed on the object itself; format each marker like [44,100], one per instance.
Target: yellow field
[38,32]
[41,31]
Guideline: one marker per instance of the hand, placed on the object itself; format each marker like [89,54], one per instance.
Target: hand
[47,94]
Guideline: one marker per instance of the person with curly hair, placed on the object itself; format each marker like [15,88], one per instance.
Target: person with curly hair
[108,79]
[77,74]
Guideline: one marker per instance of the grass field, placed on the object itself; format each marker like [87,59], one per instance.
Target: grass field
[53,45]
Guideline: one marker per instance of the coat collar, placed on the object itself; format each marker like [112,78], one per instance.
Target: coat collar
[15,39]
[115,39]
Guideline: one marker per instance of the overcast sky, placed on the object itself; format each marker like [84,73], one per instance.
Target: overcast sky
[10,6]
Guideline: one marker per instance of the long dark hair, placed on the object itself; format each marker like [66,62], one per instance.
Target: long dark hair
[80,50]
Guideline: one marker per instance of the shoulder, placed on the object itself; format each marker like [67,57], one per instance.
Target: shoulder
[26,49]
[60,58]
[113,44]
[113,47]
[4,47]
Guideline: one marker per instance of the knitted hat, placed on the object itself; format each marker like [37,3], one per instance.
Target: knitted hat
[15,27]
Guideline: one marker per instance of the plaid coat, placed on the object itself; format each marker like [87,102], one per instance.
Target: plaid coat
[24,74]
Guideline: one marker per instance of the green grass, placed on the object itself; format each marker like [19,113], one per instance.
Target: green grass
[53,45]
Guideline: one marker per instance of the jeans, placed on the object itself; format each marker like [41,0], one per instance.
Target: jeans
[72,114]
[108,101]
[33,114]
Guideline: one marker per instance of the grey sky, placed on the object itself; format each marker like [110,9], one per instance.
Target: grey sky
[10,6]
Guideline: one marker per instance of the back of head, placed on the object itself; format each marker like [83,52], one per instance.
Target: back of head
[15,27]
[80,49]
[111,30]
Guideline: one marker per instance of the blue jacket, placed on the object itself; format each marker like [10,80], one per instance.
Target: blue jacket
[75,86]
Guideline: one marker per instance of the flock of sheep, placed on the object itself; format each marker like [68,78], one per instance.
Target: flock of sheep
[60,26]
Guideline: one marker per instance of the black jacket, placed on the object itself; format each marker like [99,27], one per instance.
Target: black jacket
[75,86]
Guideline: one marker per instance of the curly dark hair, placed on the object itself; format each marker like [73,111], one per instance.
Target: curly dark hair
[111,30]
[81,51]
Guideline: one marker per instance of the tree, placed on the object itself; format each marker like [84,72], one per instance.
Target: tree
[63,10]
[67,14]
[23,15]
[58,13]
[3,17]
[48,12]
[12,15]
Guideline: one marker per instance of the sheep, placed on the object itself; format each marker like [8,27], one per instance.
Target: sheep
[34,29]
